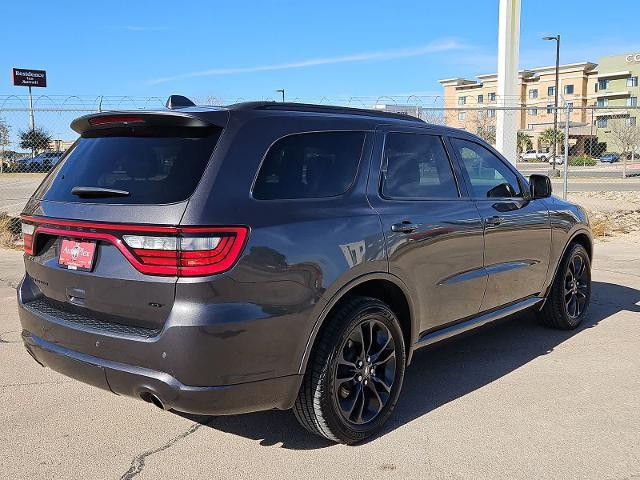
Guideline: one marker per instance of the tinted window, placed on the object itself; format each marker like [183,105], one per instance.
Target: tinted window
[310,165]
[159,167]
[489,176]
[416,166]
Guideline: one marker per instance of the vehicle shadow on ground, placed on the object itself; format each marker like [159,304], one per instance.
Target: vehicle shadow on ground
[441,374]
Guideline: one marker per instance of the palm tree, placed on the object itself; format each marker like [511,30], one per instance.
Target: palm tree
[524,142]
[549,136]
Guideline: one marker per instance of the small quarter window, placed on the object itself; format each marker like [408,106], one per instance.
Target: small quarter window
[310,165]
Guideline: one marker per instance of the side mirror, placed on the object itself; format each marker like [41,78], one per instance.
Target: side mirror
[540,186]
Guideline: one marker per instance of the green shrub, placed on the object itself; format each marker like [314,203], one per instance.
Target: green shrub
[582,161]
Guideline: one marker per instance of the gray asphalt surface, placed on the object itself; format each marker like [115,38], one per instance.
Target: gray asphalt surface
[513,402]
[15,190]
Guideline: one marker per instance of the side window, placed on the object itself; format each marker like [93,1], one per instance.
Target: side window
[309,165]
[416,166]
[489,176]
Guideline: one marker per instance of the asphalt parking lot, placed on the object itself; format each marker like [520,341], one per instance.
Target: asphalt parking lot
[514,401]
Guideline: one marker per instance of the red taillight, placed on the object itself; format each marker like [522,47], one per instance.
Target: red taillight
[175,251]
[107,119]
[27,237]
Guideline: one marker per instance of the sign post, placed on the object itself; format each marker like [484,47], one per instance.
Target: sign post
[29,78]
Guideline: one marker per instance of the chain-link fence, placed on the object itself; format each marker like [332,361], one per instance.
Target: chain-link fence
[600,142]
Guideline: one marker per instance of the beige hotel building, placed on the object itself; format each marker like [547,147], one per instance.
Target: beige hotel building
[614,81]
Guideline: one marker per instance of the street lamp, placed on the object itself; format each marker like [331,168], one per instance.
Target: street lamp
[282,92]
[555,102]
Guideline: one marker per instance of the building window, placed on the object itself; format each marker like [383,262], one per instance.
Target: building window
[462,116]
[551,91]
[601,122]
[533,93]
[602,102]
[568,89]
[532,111]
[603,84]
[480,98]
[462,100]
[550,109]
[632,82]
[491,96]
[491,112]
[632,102]
[631,122]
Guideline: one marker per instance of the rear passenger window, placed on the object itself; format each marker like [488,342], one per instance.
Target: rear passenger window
[416,166]
[310,165]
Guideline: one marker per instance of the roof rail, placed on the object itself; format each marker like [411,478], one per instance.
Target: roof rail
[309,107]
[178,101]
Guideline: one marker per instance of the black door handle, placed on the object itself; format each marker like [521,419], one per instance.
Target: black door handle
[495,220]
[404,227]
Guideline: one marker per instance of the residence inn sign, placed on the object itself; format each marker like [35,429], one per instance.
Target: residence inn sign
[29,78]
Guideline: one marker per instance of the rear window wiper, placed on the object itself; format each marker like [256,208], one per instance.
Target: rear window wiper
[98,192]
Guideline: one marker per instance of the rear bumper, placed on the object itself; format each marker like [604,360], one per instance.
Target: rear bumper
[138,382]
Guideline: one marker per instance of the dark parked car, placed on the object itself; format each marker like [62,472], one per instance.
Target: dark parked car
[274,255]
[40,163]
[610,158]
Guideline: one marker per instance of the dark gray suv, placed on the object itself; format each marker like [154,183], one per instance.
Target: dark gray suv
[274,255]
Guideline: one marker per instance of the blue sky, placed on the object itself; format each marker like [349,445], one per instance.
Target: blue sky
[244,49]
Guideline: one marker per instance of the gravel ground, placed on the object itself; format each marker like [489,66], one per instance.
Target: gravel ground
[612,212]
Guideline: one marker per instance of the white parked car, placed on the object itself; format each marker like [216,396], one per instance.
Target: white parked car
[534,156]
[559,159]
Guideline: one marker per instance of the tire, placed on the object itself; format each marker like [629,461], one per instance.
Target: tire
[346,394]
[543,158]
[567,301]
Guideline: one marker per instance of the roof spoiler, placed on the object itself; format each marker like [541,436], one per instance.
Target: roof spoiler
[178,101]
[135,118]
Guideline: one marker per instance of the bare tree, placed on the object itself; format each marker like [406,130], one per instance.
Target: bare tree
[626,135]
[4,141]
[485,125]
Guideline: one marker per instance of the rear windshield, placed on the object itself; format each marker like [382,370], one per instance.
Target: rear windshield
[154,167]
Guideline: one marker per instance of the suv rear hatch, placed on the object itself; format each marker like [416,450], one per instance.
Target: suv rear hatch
[102,233]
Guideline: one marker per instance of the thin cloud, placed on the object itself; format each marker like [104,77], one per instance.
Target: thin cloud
[381,55]
[141,28]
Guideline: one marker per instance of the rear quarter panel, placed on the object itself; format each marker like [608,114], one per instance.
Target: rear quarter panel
[298,255]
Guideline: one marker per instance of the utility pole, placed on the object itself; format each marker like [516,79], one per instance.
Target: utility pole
[508,93]
[282,92]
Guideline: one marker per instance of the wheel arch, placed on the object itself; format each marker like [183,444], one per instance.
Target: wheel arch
[581,236]
[383,286]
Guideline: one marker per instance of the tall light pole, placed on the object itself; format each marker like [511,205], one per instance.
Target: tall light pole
[282,92]
[508,91]
[555,101]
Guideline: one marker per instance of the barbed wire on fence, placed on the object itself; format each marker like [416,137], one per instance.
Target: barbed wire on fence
[594,130]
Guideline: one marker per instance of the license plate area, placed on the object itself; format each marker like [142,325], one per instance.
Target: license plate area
[77,254]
